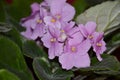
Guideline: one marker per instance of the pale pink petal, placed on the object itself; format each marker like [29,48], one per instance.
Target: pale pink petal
[35,7]
[56,6]
[68,12]
[58,24]
[47,20]
[26,23]
[84,47]
[51,52]
[90,27]
[83,30]
[76,38]
[46,40]
[43,11]
[27,33]
[58,48]
[99,57]
[73,30]
[66,60]
[38,32]
[81,61]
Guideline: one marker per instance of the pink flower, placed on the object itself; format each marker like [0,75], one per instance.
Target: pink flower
[59,11]
[75,53]
[95,38]
[34,24]
[50,40]
[88,29]
[99,45]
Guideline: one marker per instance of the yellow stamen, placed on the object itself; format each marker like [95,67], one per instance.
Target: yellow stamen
[39,21]
[90,36]
[62,31]
[99,44]
[52,39]
[73,49]
[53,20]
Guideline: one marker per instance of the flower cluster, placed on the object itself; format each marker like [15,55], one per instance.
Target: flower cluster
[51,21]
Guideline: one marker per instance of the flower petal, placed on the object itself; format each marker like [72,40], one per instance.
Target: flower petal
[35,7]
[83,30]
[84,47]
[27,33]
[46,40]
[68,9]
[38,32]
[66,60]
[90,27]
[56,6]
[51,52]
[76,38]
[82,61]
[58,48]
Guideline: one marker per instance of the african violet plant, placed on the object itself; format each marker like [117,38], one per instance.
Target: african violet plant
[62,48]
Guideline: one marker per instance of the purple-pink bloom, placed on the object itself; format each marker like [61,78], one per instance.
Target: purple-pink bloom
[34,24]
[75,52]
[59,11]
[50,40]
[99,45]
[88,29]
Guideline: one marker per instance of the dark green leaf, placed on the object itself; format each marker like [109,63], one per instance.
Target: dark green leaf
[14,23]
[5,27]
[6,75]
[112,73]
[113,43]
[14,35]
[11,59]
[9,31]
[31,49]
[44,71]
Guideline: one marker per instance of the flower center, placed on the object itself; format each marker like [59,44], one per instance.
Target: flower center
[58,16]
[53,20]
[52,39]
[90,36]
[99,44]
[62,31]
[73,49]
[39,21]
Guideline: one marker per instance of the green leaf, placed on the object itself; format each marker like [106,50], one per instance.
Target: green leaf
[9,31]
[45,71]
[14,35]
[6,75]
[4,27]
[12,59]
[112,73]
[10,20]
[17,10]
[106,15]
[31,49]
[14,23]
[113,44]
